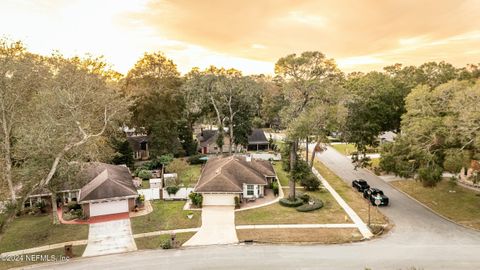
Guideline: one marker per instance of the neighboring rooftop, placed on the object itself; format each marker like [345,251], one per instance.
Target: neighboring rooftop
[257,137]
[111,181]
[228,174]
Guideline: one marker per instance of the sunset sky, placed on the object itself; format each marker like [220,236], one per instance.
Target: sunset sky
[249,35]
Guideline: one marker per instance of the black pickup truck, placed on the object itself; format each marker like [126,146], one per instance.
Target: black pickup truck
[360,185]
[373,194]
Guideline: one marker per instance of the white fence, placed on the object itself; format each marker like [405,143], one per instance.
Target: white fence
[150,193]
[182,194]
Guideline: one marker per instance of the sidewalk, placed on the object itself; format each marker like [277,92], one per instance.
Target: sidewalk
[297,226]
[362,227]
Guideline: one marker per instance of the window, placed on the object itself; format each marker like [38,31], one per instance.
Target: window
[249,190]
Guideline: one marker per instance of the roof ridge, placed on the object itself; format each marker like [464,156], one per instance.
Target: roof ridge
[228,160]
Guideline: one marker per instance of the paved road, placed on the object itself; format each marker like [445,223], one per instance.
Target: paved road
[413,222]
[419,239]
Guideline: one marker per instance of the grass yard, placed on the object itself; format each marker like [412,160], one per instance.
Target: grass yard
[354,199]
[189,177]
[324,236]
[166,215]
[345,148]
[155,242]
[32,231]
[57,253]
[282,175]
[331,212]
[461,206]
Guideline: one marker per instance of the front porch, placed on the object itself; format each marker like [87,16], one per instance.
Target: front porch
[268,198]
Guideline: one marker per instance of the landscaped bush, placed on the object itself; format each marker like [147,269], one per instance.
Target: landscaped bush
[310,182]
[192,160]
[304,197]
[172,190]
[196,199]
[145,174]
[288,203]
[275,188]
[307,207]
[237,202]
[73,206]
[166,244]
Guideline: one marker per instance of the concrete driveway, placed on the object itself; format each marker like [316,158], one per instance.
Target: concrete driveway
[218,227]
[110,237]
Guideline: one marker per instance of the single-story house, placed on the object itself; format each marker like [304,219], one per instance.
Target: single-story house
[207,142]
[258,141]
[100,189]
[139,145]
[224,178]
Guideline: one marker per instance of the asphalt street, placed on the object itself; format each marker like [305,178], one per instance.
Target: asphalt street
[419,239]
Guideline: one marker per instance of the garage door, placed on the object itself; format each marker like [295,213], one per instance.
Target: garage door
[218,199]
[109,207]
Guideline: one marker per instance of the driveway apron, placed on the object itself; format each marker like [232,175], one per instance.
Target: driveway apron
[218,227]
[110,237]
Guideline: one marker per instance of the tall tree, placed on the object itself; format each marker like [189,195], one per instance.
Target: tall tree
[307,80]
[21,75]
[154,83]
[69,118]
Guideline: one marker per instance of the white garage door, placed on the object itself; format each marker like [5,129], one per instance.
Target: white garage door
[218,199]
[107,208]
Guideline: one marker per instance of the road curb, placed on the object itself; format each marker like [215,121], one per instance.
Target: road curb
[422,204]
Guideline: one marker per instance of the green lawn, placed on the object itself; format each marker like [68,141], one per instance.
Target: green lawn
[57,253]
[277,214]
[189,177]
[154,242]
[32,231]
[462,205]
[166,215]
[282,175]
[345,148]
[353,198]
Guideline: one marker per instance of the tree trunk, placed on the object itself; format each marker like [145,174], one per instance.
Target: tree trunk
[306,149]
[55,218]
[293,159]
[8,158]
[230,127]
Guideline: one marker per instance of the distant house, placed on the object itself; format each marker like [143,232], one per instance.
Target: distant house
[224,178]
[471,175]
[207,142]
[139,145]
[100,188]
[388,136]
[257,140]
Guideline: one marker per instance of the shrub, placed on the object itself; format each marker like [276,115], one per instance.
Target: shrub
[145,174]
[237,202]
[430,176]
[166,244]
[307,207]
[304,197]
[73,206]
[196,199]
[288,203]
[310,182]
[177,165]
[78,213]
[275,188]
[195,159]
[172,190]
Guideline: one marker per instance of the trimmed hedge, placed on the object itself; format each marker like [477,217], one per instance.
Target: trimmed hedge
[317,204]
[288,203]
